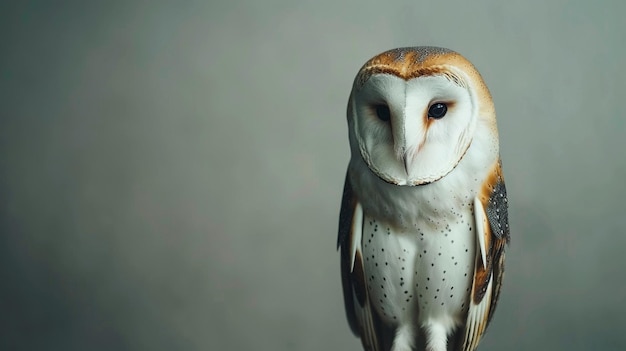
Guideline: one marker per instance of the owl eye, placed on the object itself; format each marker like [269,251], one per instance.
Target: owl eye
[437,110]
[383,113]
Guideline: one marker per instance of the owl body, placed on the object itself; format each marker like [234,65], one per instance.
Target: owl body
[422,251]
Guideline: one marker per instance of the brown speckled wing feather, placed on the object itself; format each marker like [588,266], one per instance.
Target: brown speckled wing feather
[344,239]
[492,229]
[363,321]
[497,211]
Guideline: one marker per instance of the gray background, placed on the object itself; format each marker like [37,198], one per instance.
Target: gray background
[170,174]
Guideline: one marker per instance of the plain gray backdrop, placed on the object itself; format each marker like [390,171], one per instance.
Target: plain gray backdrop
[170,173]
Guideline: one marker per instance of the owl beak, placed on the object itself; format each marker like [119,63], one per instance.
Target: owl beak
[407,164]
[404,143]
[406,157]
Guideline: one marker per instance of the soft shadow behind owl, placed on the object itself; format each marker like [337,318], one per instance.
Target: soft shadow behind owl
[423,222]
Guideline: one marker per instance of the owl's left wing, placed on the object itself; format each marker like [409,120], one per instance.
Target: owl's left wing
[362,319]
[492,234]
[347,242]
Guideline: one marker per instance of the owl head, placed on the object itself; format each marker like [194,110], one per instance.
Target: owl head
[414,112]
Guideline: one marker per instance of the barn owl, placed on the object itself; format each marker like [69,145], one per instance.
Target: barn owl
[424,215]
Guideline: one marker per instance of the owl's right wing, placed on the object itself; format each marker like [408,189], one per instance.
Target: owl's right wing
[362,319]
[492,233]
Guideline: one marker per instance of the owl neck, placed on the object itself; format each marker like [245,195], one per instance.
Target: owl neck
[413,206]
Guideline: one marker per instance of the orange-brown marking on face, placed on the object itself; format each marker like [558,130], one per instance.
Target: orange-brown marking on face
[412,62]
[428,121]
[408,63]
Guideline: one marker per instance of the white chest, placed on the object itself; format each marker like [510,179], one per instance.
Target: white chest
[420,273]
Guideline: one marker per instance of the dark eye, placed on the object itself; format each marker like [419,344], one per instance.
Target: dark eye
[437,110]
[383,113]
